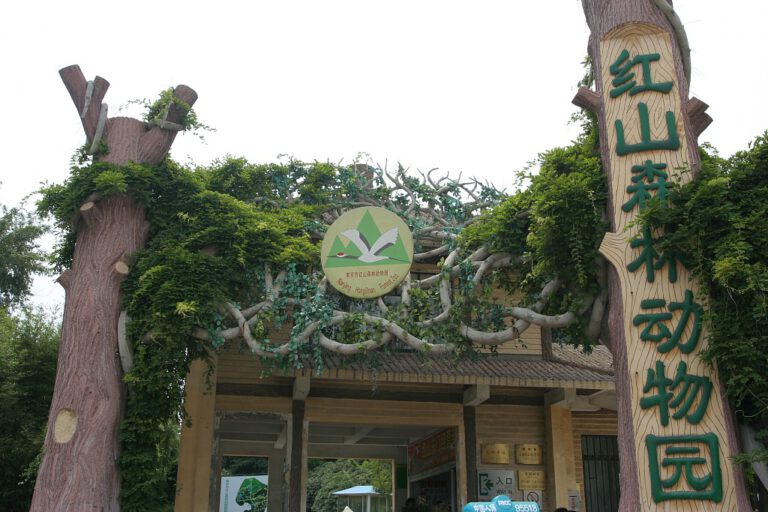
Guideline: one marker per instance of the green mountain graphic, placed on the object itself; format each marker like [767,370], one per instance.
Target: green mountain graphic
[251,492]
[343,254]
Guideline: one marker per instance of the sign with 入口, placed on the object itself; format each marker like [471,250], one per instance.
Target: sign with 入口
[491,483]
[367,252]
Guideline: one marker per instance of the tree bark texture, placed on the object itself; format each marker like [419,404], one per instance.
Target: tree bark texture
[79,467]
[604,17]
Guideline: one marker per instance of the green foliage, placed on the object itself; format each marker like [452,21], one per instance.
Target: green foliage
[718,222]
[207,247]
[20,256]
[28,348]
[553,228]
[157,112]
[239,466]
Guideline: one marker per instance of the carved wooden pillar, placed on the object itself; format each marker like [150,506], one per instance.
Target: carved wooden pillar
[671,410]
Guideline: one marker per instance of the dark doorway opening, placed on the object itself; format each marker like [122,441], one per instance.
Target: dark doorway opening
[600,457]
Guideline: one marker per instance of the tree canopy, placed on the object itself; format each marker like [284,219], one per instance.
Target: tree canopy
[29,343]
[20,255]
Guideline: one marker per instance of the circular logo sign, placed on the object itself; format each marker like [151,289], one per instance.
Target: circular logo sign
[367,252]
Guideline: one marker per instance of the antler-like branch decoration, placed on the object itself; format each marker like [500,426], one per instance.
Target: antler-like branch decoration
[437,213]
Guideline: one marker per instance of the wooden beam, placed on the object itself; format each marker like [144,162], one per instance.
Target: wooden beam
[281,439]
[301,386]
[568,399]
[360,433]
[476,394]
[605,399]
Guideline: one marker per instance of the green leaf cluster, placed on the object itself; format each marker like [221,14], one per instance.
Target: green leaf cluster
[20,255]
[552,228]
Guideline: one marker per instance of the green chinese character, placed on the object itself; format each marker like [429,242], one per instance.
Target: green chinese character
[657,379]
[673,339]
[646,144]
[653,320]
[688,307]
[650,176]
[686,389]
[671,258]
[647,257]
[688,457]
[625,81]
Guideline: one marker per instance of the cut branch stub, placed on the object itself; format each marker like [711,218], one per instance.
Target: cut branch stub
[128,139]
[86,96]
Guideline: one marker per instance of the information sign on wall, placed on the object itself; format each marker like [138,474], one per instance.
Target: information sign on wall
[536,496]
[367,252]
[528,454]
[495,453]
[531,479]
[492,483]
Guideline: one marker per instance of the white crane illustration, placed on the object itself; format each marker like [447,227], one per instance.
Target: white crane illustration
[370,253]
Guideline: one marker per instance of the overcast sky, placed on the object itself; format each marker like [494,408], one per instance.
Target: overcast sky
[474,87]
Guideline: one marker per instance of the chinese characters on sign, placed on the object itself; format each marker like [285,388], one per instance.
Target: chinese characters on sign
[677,414]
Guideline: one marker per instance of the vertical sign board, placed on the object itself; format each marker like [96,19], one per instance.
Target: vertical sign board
[677,411]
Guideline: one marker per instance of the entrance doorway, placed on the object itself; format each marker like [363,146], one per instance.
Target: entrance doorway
[439,491]
[600,456]
[360,485]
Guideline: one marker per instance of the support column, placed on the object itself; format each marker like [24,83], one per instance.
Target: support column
[461,465]
[276,487]
[473,396]
[217,462]
[470,432]
[561,464]
[196,445]
[297,457]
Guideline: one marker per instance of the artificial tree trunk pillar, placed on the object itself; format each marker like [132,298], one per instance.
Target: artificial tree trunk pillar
[79,468]
[676,433]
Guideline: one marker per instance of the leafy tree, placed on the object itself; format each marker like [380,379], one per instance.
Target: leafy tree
[335,475]
[28,351]
[20,255]
[238,466]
